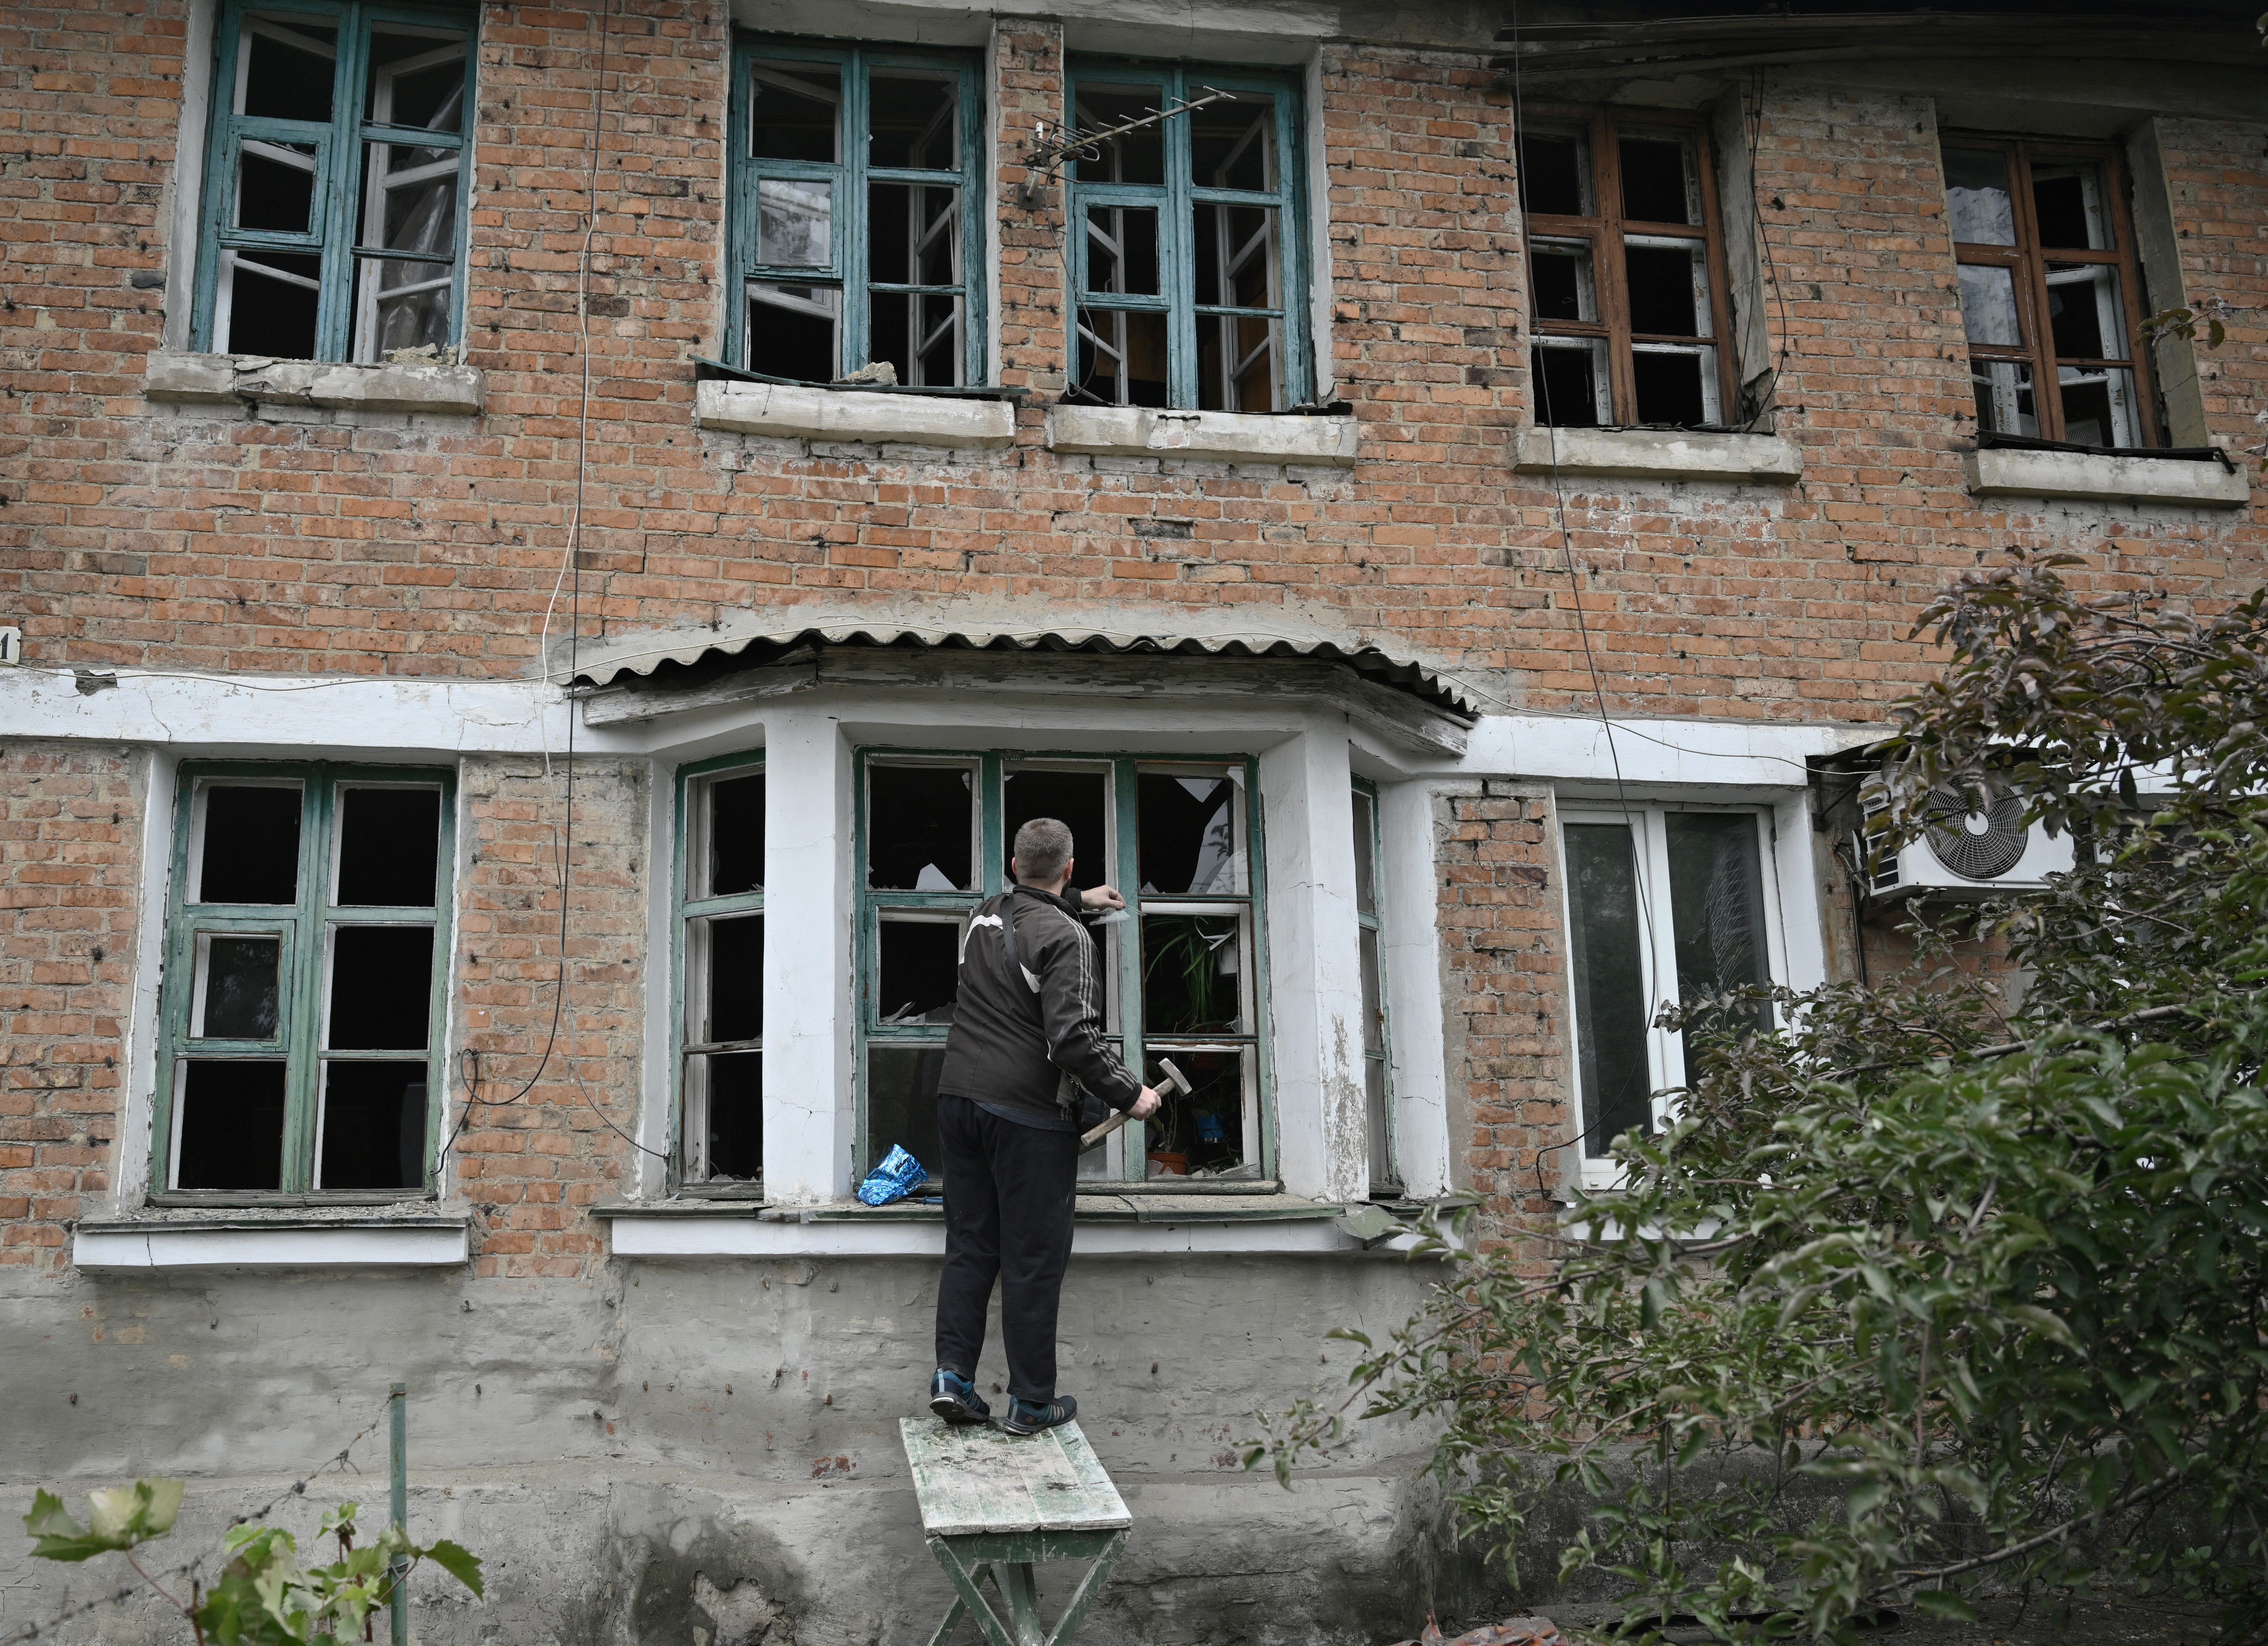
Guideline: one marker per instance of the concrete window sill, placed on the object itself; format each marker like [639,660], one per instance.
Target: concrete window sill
[783,411]
[221,1242]
[235,378]
[1219,437]
[2086,477]
[1658,454]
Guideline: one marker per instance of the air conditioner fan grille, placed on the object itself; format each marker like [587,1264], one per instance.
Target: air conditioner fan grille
[1976,845]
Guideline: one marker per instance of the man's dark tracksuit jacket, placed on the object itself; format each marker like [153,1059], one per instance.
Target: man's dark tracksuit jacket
[1027,1042]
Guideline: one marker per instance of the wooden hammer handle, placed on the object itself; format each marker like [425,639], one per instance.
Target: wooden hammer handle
[1174,1078]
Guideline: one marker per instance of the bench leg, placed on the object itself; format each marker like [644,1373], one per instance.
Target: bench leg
[1015,1580]
[1090,1587]
[968,1598]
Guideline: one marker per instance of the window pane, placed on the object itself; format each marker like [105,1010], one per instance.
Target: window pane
[1190,830]
[401,305]
[1237,262]
[276,186]
[1570,383]
[1239,365]
[1717,915]
[728,967]
[1192,980]
[1122,357]
[251,848]
[1668,288]
[2098,405]
[794,223]
[1373,997]
[285,65]
[1233,143]
[918,970]
[1079,800]
[409,199]
[1213,1130]
[916,121]
[1610,994]
[1988,305]
[733,828]
[381,991]
[1122,250]
[237,987]
[1976,191]
[1382,1174]
[416,78]
[728,1088]
[792,331]
[373,1126]
[1661,181]
[920,333]
[921,826]
[265,304]
[902,1104]
[1561,282]
[794,110]
[1555,174]
[1675,387]
[1365,847]
[913,233]
[1139,156]
[232,1125]
[2004,397]
[2084,319]
[2067,199]
[389,847]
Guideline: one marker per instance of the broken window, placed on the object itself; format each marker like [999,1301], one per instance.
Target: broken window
[721,977]
[307,951]
[1181,967]
[1663,905]
[856,214]
[2050,292]
[1377,1043]
[1627,307]
[1188,260]
[335,183]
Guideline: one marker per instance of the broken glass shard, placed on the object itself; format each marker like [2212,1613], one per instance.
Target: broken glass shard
[921,826]
[1190,834]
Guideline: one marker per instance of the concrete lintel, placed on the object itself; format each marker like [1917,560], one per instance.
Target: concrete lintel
[2086,477]
[781,411]
[1658,454]
[336,386]
[227,1242]
[1220,436]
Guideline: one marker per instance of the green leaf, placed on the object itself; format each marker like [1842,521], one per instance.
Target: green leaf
[1943,1602]
[458,1563]
[47,1518]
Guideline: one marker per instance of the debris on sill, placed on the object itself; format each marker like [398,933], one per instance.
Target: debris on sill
[423,354]
[881,374]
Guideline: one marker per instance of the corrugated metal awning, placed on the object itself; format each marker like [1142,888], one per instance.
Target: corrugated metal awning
[652,661]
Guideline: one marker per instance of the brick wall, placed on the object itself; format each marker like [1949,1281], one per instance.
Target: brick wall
[69,818]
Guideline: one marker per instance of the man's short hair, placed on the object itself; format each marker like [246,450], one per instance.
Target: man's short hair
[1043,848]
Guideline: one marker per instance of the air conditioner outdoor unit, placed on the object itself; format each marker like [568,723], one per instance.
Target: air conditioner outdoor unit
[1966,852]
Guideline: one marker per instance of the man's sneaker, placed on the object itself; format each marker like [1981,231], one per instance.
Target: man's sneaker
[1029,1417]
[954,1399]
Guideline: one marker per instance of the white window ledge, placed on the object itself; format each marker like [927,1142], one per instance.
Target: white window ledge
[2002,472]
[1220,436]
[303,1242]
[335,386]
[783,411]
[712,1230]
[1658,454]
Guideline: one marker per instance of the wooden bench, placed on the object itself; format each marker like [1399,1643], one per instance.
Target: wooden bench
[996,1504]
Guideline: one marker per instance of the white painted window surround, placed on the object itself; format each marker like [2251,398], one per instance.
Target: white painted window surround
[785,411]
[2087,476]
[1658,454]
[1220,436]
[327,385]
[212,1241]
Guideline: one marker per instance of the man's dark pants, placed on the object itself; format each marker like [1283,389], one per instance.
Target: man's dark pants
[1008,1191]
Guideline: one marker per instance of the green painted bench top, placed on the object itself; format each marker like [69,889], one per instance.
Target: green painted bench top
[977,1481]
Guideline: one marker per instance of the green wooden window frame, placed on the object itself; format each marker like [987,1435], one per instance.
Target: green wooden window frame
[1244,913]
[1378,1016]
[717,1058]
[369,296]
[307,933]
[1208,346]
[852,182]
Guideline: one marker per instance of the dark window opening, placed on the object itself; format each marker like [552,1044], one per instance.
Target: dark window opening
[374,1118]
[901,1102]
[1610,992]
[918,970]
[381,988]
[1669,389]
[920,824]
[736,1116]
[1566,388]
[736,836]
[232,1124]
[239,994]
[1189,838]
[734,978]
[1079,800]
[251,844]
[389,847]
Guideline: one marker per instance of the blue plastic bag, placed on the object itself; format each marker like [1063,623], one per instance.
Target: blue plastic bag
[898,1176]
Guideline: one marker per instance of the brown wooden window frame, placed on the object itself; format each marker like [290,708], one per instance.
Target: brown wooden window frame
[1608,232]
[2028,261]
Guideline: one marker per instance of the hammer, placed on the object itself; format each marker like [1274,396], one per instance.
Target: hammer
[1174,1079]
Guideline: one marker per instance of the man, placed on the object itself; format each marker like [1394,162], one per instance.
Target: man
[1027,1041]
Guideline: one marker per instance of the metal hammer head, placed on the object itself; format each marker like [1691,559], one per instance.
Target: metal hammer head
[1174,1077]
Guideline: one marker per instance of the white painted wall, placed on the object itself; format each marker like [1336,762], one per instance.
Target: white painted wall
[1411,957]
[807,958]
